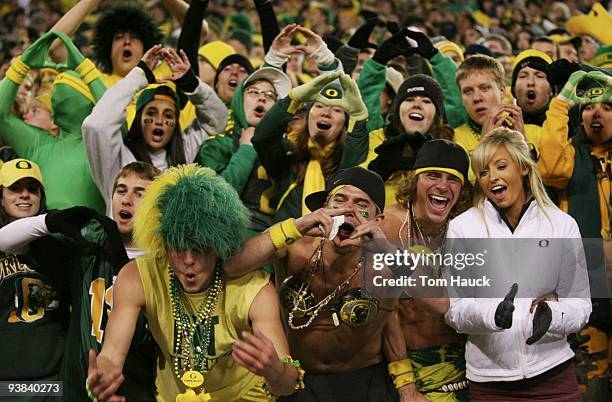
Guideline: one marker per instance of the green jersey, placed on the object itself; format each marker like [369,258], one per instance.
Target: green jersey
[89,278]
[33,321]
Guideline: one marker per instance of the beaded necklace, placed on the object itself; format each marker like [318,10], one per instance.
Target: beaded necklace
[186,354]
[411,218]
[305,289]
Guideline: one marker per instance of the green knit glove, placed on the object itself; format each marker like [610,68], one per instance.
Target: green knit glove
[599,95]
[568,92]
[35,56]
[354,105]
[75,57]
[308,92]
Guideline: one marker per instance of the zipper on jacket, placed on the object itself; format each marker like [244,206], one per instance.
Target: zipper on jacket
[522,348]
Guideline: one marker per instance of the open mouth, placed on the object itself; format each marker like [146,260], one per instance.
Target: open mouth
[438,201]
[416,117]
[158,134]
[498,191]
[125,215]
[345,230]
[481,110]
[322,125]
[24,206]
[232,83]
[531,95]
[596,126]
[259,111]
[190,276]
[126,54]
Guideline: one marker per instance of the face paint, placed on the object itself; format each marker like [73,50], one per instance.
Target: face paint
[169,123]
[148,121]
[365,214]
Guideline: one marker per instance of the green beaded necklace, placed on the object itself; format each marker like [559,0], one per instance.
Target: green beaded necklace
[184,350]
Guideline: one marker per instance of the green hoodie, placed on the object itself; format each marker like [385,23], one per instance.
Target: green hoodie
[238,164]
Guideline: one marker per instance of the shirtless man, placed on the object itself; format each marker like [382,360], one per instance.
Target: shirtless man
[427,356]
[334,326]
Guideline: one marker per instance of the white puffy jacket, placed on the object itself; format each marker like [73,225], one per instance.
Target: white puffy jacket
[494,354]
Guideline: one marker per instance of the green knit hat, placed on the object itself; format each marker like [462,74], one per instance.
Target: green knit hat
[603,57]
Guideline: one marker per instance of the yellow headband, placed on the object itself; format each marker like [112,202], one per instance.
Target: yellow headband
[454,172]
[335,190]
[165,98]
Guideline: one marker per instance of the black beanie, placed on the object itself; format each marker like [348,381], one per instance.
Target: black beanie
[443,155]
[529,58]
[231,59]
[420,85]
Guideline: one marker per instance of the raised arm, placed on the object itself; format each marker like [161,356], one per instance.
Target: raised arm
[102,128]
[189,39]
[273,244]
[68,25]
[269,24]
[21,136]
[211,113]
[556,159]
[104,373]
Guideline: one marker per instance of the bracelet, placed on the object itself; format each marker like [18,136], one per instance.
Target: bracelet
[88,71]
[401,372]
[89,393]
[284,233]
[18,71]
[299,382]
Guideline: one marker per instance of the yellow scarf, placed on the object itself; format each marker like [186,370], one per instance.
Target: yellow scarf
[314,180]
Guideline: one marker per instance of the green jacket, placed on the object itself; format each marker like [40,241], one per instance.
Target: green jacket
[62,159]
[274,152]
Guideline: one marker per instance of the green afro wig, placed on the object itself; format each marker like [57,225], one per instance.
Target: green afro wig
[122,17]
[190,208]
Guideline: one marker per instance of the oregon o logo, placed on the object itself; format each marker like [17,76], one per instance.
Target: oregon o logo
[543,243]
[23,165]
[595,92]
[332,93]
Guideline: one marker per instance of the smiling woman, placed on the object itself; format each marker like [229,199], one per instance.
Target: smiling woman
[334,137]
[32,310]
[511,203]
[416,116]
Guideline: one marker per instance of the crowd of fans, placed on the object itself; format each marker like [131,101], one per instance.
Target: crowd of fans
[281,98]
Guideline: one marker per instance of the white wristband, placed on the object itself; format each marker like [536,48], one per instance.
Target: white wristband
[275,58]
[323,56]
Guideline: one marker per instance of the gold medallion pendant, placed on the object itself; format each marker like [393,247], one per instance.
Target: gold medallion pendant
[192,379]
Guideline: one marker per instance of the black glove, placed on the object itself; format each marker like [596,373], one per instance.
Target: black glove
[424,47]
[397,45]
[393,27]
[541,322]
[390,158]
[69,222]
[416,140]
[503,313]
[559,72]
[360,39]
[113,249]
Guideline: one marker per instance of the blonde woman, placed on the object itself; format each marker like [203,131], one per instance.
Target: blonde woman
[517,349]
